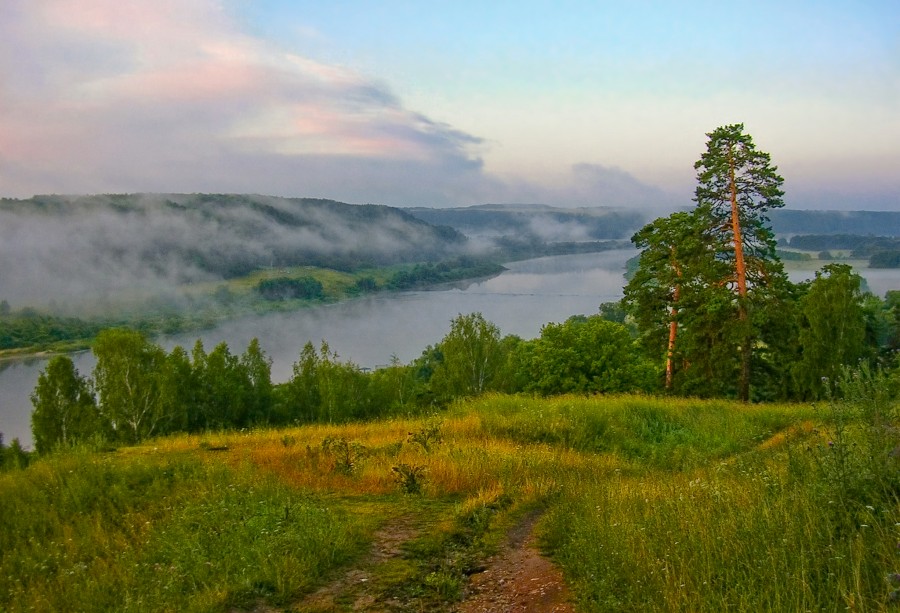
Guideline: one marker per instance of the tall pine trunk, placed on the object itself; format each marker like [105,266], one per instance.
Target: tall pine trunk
[673,324]
[741,278]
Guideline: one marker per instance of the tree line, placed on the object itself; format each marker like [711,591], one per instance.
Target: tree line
[881,251]
[28,329]
[138,390]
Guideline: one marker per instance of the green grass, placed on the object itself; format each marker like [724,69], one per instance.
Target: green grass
[651,504]
[675,433]
[97,533]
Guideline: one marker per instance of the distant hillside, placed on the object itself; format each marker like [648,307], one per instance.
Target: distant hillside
[874,223]
[550,224]
[61,248]
[537,222]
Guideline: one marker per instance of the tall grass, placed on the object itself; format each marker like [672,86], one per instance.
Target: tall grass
[740,538]
[652,504]
[772,527]
[672,433]
[144,533]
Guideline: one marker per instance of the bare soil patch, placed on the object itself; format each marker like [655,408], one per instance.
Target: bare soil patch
[518,579]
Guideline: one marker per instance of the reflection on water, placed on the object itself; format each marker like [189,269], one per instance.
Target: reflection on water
[370,330]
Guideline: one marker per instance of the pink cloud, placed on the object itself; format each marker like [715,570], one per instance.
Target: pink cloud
[170,95]
[101,89]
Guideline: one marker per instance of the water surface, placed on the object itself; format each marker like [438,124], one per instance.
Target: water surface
[370,330]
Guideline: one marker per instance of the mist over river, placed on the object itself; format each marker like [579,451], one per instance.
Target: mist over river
[369,330]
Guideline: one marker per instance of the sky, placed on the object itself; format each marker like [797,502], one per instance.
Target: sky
[407,103]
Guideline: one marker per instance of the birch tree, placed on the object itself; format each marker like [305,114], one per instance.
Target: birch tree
[472,355]
[127,378]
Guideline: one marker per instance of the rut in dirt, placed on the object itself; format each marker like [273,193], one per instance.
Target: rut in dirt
[518,578]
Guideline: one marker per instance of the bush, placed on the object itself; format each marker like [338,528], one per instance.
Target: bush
[409,477]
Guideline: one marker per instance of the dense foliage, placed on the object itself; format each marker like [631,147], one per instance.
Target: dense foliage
[885,259]
[859,246]
[285,288]
[29,328]
[429,273]
[714,308]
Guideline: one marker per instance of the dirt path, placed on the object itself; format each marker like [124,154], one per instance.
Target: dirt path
[518,579]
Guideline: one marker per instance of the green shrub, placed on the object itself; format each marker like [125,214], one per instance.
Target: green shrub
[409,477]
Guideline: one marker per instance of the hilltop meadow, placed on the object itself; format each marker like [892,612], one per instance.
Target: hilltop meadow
[645,504]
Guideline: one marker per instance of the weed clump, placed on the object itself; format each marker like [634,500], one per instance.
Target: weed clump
[409,477]
[346,455]
[428,437]
[860,462]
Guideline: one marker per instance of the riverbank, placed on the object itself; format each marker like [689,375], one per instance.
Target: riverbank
[205,306]
[373,329]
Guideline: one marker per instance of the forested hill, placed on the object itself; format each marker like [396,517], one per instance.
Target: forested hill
[56,247]
[553,224]
[538,222]
[865,223]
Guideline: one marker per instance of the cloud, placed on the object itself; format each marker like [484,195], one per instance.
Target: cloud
[106,96]
[100,253]
[590,185]
[127,95]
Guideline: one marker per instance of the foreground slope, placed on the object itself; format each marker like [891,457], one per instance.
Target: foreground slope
[643,503]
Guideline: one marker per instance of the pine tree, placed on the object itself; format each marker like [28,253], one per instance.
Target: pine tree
[710,291]
[670,263]
[737,186]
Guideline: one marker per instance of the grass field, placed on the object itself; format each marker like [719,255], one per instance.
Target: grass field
[650,504]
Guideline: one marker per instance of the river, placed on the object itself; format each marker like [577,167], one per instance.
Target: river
[370,330]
